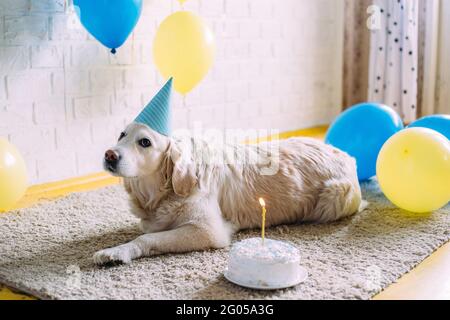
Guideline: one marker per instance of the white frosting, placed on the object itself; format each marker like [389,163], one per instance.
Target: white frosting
[272,264]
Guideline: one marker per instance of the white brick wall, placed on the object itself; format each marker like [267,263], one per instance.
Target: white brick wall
[64,98]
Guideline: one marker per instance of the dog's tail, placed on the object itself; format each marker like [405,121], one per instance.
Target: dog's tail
[338,199]
[363,205]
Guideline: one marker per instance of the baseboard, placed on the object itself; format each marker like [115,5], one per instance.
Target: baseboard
[315,132]
[62,188]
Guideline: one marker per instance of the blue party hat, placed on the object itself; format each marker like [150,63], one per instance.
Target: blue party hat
[156,114]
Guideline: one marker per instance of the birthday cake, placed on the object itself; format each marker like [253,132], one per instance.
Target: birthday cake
[272,265]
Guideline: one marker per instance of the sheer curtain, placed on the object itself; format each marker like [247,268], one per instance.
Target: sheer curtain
[436,57]
[394,56]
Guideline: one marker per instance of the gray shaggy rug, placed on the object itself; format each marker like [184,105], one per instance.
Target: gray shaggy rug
[47,251]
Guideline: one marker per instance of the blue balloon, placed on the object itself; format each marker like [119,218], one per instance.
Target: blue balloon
[361,131]
[109,21]
[437,122]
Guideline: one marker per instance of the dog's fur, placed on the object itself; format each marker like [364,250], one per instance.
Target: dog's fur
[186,205]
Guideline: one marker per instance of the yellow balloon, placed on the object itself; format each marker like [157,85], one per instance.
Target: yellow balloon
[413,170]
[13,175]
[184,49]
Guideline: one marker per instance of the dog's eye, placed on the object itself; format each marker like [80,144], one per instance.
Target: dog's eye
[145,143]
[122,134]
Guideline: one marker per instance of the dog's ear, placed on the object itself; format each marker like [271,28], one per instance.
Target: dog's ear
[181,171]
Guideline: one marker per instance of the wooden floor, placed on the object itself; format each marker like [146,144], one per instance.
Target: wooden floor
[429,280]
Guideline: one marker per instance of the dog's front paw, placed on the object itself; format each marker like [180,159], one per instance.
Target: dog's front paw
[122,254]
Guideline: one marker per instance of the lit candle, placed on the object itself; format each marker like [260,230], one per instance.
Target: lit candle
[270,264]
[263,208]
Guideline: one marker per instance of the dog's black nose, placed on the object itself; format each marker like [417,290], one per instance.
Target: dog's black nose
[111,158]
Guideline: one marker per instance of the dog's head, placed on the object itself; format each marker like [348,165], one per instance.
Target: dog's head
[141,151]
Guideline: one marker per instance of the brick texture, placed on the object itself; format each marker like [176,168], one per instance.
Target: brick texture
[64,98]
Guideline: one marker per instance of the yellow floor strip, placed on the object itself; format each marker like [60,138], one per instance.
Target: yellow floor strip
[316,132]
[427,281]
[7,294]
[58,189]
[430,280]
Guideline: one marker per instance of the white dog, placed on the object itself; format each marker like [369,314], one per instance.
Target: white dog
[187,204]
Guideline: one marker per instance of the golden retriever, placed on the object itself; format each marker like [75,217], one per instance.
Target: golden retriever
[191,195]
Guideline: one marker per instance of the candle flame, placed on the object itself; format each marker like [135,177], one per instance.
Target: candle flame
[262,202]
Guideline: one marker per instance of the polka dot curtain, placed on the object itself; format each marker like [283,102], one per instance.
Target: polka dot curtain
[393,67]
